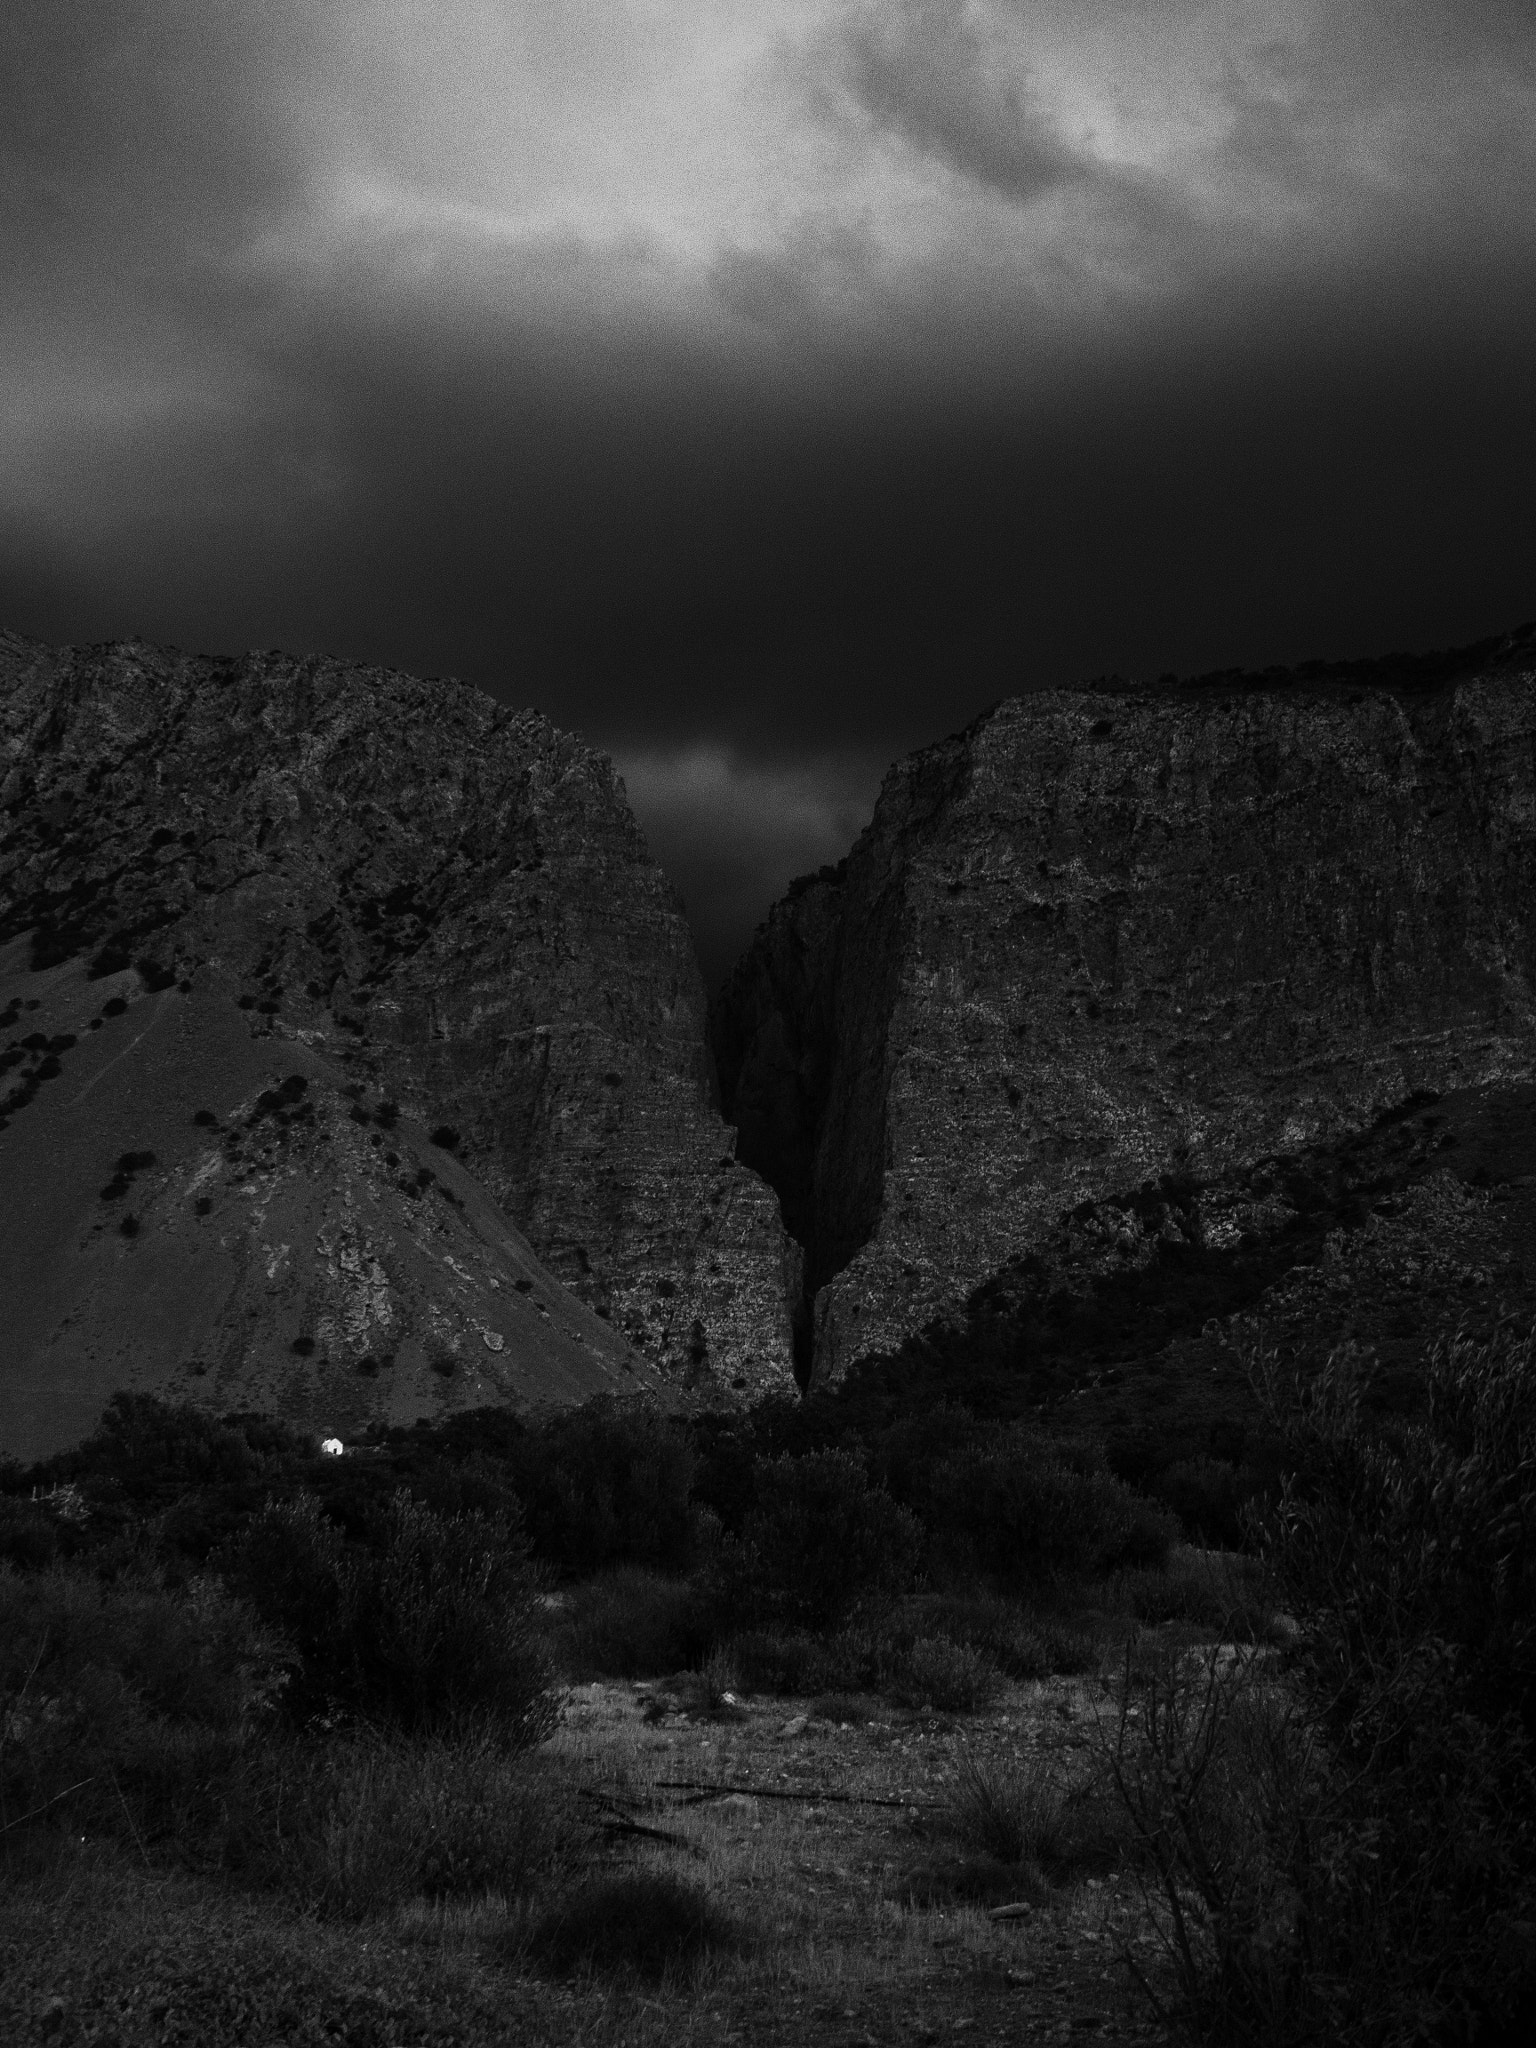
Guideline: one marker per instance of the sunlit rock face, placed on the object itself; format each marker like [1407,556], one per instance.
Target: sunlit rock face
[1115,936]
[444,902]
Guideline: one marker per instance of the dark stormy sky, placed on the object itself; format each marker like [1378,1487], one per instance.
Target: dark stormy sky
[761,389]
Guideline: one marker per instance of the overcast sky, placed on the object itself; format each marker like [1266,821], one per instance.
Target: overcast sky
[762,389]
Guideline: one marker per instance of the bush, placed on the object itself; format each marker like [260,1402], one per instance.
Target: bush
[152,1448]
[1020,1645]
[1016,1814]
[631,1623]
[1354,1859]
[1217,1591]
[123,1705]
[1022,1508]
[906,1455]
[29,1535]
[1208,1495]
[955,1678]
[818,1540]
[648,1922]
[605,1485]
[435,1623]
[796,1661]
[1423,1534]
[889,1657]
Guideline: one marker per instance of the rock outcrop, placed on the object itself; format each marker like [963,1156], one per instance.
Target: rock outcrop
[1126,942]
[401,889]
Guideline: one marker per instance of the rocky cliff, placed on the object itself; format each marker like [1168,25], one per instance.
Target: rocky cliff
[400,893]
[1109,948]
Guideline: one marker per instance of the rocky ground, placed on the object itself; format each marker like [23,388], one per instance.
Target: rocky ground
[880,1922]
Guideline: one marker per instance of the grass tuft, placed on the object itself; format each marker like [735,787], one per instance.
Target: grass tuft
[1015,1814]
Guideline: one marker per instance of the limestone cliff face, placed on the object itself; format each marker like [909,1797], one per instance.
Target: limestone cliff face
[1113,935]
[447,900]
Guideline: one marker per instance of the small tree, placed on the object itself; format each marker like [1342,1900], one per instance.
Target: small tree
[429,1624]
[818,1539]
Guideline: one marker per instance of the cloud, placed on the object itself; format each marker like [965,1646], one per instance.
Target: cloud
[747,385]
[946,79]
[733,832]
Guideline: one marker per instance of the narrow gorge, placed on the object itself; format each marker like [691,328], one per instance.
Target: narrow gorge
[356,1062]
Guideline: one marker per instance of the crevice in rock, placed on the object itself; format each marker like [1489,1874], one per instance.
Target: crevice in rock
[773,1037]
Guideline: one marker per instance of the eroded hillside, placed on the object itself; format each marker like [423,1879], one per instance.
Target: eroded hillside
[374,884]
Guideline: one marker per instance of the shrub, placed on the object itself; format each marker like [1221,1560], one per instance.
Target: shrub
[604,1485]
[122,1704]
[199,1656]
[291,1563]
[152,1449]
[1353,1860]
[354,1827]
[907,1455]
[956,1678]
[1020,1646]
[29,1536]
[1064,1649]
[818,1540]
[649,1922]
[1208,1495]
[1015,1813]
[1022,1507]
[796,1661]
[1217,1591]
[1426,1533]
[433,1624]
[884,1657]
[631,1623]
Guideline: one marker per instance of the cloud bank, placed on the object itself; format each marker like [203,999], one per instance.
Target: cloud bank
[776,385]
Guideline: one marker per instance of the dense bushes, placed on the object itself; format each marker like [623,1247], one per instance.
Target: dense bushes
[161,1715]
[1021,1507]
[1354,1858]
[1208,1495]
[1425,1533]
[596,1486]
[430,1624]
[631,1623]
[818,1540]
[604,1485]
[122,1701]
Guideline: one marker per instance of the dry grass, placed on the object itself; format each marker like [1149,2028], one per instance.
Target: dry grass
[863,1919]
[1015,1814]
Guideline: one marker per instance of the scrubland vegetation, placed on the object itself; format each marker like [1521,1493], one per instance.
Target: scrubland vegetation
[317,1700]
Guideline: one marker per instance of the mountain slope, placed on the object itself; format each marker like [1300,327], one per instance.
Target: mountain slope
[392,886]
